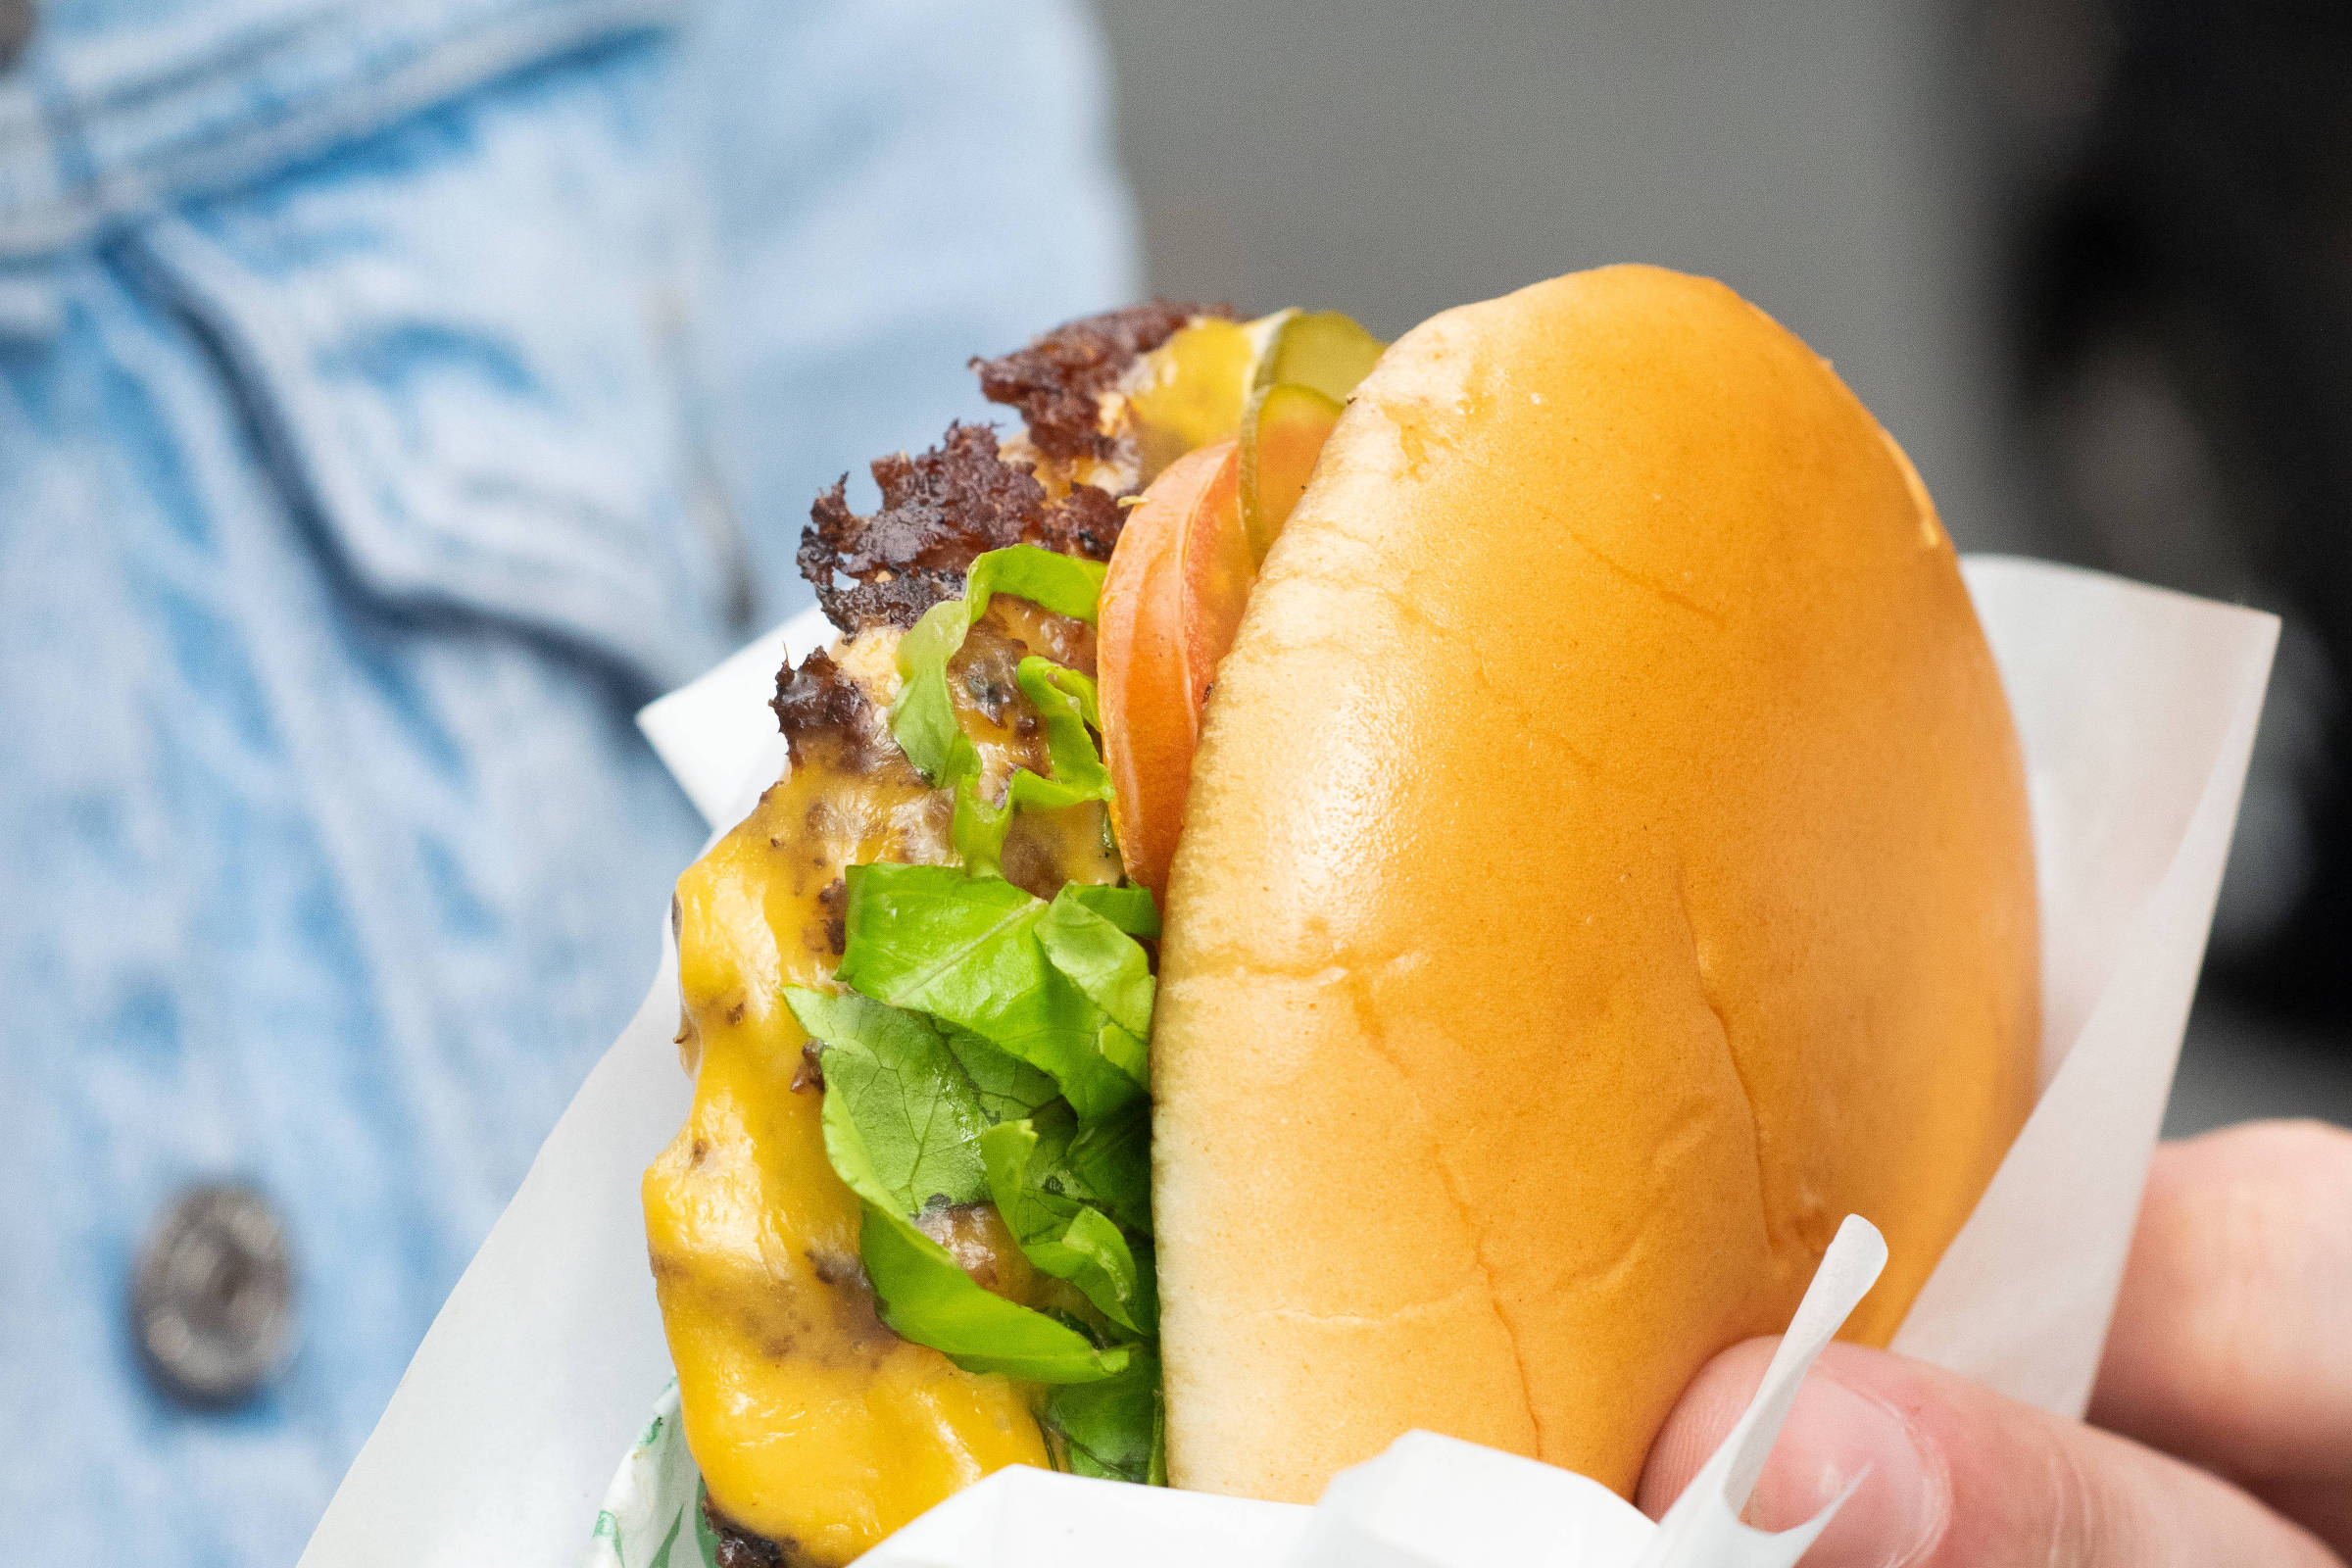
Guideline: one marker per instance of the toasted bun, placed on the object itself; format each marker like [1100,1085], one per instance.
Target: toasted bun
[1606,867]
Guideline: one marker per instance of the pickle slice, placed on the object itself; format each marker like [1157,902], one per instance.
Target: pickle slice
[1320,349]
[1300,383]
[1283,435]
[1217,379]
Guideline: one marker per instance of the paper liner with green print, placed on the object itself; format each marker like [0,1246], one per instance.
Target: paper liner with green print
[653,1516]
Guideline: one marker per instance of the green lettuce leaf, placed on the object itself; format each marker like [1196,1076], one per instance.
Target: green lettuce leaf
[1110,967]
[1008,1086]
[923,717]
[1099,959]
[925,1297]
[1131,909]
[1115,1429]
[965,949]
[916,1108]
[978,828]
[1065,701]
[1029,1177]
[1109,1164]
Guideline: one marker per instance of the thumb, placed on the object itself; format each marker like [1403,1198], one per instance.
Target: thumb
[1960,1476]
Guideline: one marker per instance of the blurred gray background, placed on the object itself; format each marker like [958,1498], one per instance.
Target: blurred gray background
[1881,177]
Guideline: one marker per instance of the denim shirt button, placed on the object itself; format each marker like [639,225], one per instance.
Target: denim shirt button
[213,1294]
[16,17]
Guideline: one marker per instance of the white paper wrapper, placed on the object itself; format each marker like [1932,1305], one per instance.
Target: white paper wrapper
[1427,1501]
[2137,709]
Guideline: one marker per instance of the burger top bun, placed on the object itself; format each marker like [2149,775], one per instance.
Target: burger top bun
[1606,866]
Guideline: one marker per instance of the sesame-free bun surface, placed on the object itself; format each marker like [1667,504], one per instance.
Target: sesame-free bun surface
[1606,867]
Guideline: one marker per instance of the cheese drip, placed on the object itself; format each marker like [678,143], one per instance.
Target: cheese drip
[812,1423]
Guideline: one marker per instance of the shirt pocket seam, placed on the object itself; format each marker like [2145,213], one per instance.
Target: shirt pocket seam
[620,587]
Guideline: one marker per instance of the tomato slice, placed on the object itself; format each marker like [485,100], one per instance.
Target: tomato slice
[1171,602]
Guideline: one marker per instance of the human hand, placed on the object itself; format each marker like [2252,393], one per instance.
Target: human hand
[2221,1425]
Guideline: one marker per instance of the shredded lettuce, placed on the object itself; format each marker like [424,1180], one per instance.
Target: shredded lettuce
[1105,963]
[966,949]
[904,1125]
[993,1047]
[1115,1429]
[1129,908]
[1065,701]
[1038,1194]
[923,717]
[926,1298]
[923,720]
[1009,1085]
[1109,1164]
[918,1112]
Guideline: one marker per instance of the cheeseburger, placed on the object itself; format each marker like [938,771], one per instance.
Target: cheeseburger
[1327,889]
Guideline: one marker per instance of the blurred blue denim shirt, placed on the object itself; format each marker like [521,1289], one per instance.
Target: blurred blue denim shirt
[393,395]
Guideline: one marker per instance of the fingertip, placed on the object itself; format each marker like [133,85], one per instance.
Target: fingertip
[1848,1425]
[2295,1160]
[2227,1345]
[1700,1421]
[1948,1473]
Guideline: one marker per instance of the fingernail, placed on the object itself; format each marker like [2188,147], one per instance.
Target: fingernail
[1836,1432]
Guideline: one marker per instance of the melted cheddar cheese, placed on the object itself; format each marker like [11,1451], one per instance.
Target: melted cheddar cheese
[812,1423]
